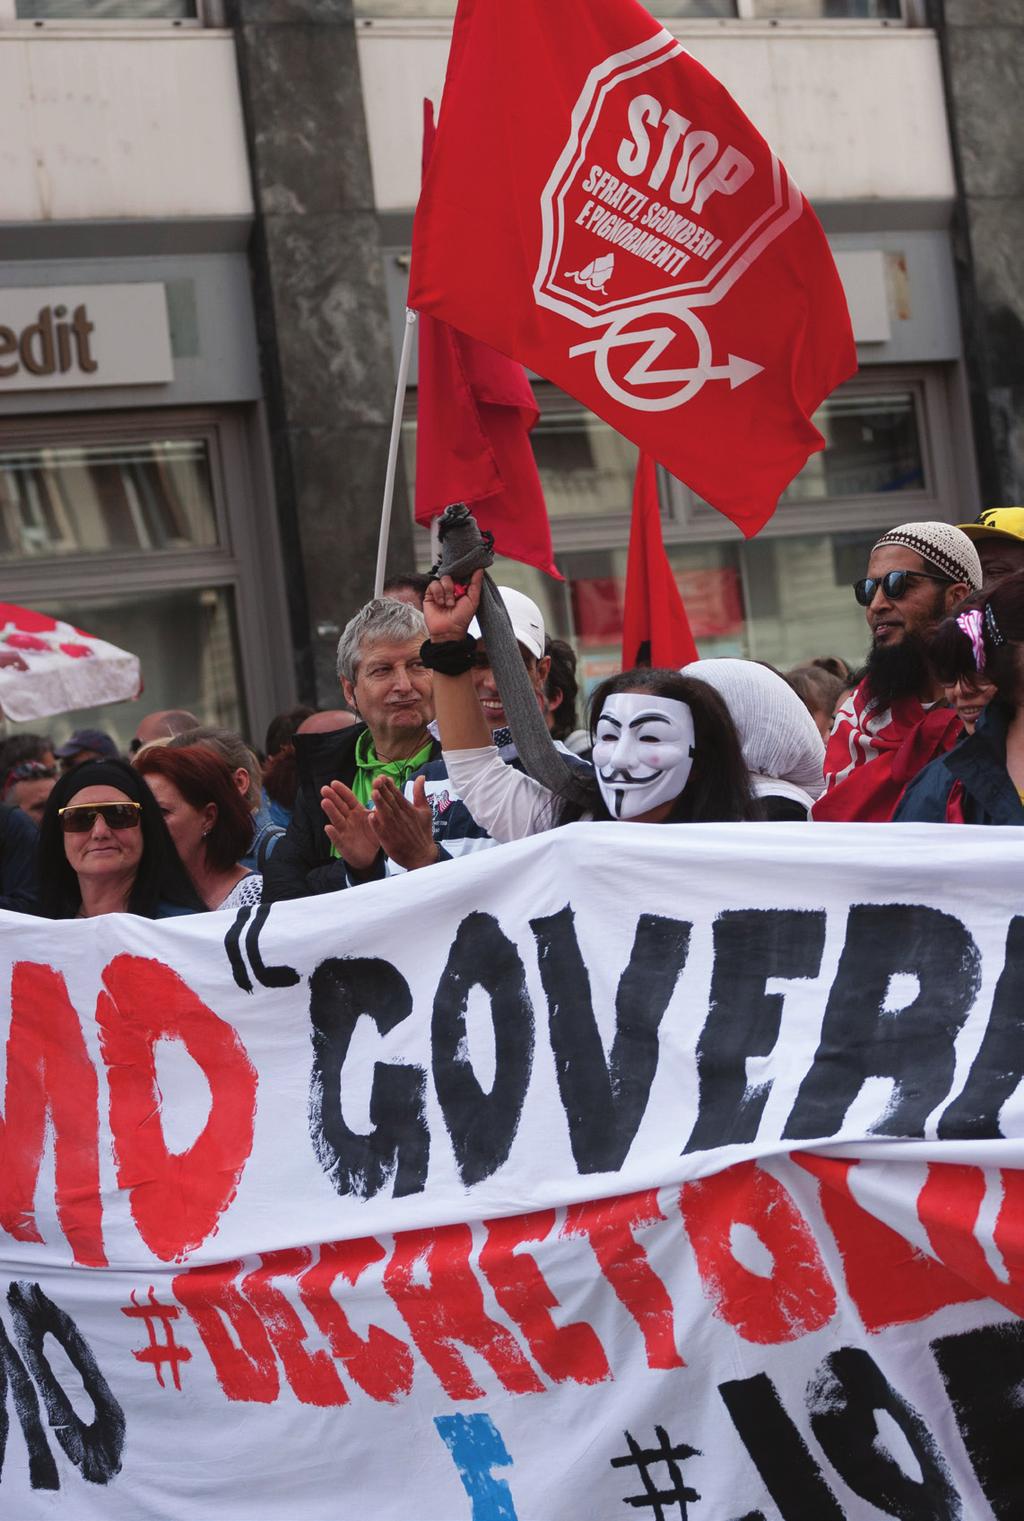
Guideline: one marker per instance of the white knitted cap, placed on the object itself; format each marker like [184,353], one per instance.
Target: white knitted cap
[942,545]
[778,736]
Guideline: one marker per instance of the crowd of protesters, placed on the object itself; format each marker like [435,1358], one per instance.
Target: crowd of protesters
[420,764]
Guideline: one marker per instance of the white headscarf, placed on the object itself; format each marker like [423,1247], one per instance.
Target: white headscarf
[779,738]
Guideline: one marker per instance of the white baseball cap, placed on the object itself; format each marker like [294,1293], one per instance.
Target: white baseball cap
[525,617]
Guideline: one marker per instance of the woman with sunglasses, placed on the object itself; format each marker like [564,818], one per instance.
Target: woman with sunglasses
[104,849]
[981,781]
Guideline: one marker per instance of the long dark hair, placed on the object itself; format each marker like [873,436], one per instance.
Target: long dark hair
[718,788]
[280,769]
[562,678]
[1002,630]
[281,776]
[160,876]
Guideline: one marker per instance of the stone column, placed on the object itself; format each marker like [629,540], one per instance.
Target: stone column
[328,367]
[983,50]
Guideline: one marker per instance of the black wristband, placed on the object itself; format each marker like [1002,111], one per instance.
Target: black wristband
[453,658]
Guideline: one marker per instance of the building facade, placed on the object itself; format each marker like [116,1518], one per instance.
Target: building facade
[205,220]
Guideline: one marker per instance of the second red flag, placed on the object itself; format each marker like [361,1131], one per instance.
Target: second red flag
[475,412]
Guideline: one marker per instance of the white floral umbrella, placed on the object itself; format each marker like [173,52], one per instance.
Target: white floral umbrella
[48,667]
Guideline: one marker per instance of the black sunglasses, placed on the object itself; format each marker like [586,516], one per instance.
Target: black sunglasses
[79,818]
[893,584]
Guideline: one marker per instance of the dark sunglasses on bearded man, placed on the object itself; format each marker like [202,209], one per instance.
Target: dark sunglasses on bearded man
[895,585]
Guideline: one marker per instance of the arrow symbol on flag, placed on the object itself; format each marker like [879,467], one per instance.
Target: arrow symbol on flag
[737,371]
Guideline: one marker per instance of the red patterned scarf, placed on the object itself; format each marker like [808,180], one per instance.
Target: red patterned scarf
[874,751]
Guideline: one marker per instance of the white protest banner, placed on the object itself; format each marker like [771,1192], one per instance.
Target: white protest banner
[671,1172]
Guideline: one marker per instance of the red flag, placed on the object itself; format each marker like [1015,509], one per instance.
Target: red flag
[655,628]
[600,208]
[476,409]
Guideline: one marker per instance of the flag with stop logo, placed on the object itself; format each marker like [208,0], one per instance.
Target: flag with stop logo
[598,207]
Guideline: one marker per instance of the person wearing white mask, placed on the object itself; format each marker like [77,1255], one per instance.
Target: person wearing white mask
[643,753]
[782,745]
[665,748]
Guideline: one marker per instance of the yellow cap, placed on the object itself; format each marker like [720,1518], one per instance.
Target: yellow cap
[996,523]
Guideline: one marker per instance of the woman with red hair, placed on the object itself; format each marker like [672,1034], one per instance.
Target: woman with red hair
[207,818]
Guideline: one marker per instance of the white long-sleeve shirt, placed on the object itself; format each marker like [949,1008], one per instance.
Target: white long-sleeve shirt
[507,803]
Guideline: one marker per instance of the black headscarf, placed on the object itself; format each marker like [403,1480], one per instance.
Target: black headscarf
[160,878]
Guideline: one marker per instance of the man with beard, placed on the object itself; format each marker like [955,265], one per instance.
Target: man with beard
[894,723]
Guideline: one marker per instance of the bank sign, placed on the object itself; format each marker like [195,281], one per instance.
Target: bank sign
[71,337]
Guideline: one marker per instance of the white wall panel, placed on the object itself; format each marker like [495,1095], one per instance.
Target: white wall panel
[853,114]
[96,126]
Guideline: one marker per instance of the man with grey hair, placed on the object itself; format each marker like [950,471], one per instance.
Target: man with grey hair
[329,845]
[431,823]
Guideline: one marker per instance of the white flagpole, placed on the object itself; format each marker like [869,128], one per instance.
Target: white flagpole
[396,438]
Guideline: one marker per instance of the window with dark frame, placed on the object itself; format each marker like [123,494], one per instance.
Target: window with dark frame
[107,10]
[132,496]
[139,528]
